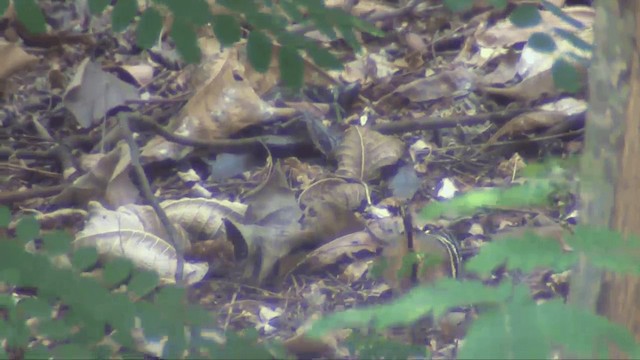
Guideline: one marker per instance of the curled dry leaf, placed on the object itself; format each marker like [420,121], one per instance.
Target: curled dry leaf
[93,92]
[219,108]
[347,245]
[526,122]
[334,190]
[364,151]
[201,217]
[455,82]
[13,59]
[145,250]
[128,217]
[108,177]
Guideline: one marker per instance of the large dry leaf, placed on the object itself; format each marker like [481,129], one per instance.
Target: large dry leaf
[364,151]
[219,108]
[504,33]
[526,122]
[145,251]
[13,59]
[334,190]
[456,82]
[93,92]
[348,245]
[201,217]
[128,217]
[108,178]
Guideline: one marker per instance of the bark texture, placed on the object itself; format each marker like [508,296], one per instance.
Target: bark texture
[610,169]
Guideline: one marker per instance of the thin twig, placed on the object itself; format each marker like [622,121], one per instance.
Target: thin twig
[436,122]
[228,145]
[151,199]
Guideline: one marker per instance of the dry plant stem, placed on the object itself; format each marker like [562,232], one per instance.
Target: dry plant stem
[15,196]
[227,145]
[151,199]
[436,122]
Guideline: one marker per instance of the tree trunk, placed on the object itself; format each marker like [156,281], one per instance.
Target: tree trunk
[610,173]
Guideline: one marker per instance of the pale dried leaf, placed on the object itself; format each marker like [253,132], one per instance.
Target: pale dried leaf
[202,217]
[93,92]
[145,251]
[14,59]
[455,82]
[527,122]
[364,151]
[335,190]
[348,245]
[108,177]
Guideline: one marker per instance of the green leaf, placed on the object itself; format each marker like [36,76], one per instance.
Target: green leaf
[259,49]
[320,19]
[243,7]
[122,314]
[97,6]
[542,42]
[573,39]
[142,282]
[176,344]
[123,13]
[54,329]
[34,307]
[291,67]
[349,36]
[367,27]
[84,258]
[153,319]
[526,253]
[186,41]
[227,29]
[412,306]
[10,276]
[196,13]
[56,242]
[27,229]
[581,333]
[458,5]
[4,4]
[30,15]
[149,28]
[116,271]
[270,22]
[498,4]
[196,315]
[72,351]
[508,332]
[5,217]
[566,77]
[533,193]
[562,15]
[291,9]
[525,16]
[170,297]
[38,351]
[607,249]
[323,57]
